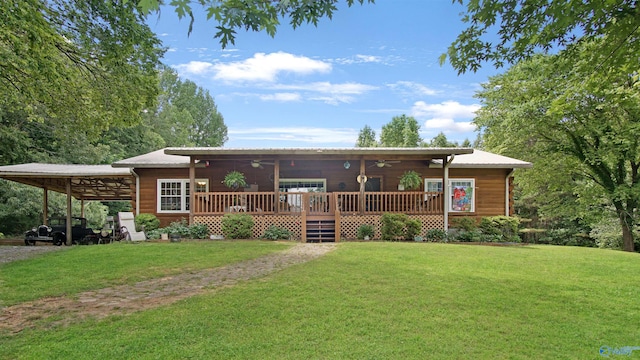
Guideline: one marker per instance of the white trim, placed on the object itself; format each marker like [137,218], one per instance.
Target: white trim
[183,194]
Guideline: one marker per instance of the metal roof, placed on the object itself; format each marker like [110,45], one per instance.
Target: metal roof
[376,151]
[89,182]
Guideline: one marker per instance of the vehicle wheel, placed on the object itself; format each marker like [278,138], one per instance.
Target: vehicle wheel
[29,242]
[89,240]
[58,240]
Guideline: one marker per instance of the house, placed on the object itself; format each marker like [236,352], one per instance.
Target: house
[321,194]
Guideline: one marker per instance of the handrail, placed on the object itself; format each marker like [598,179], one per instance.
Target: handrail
[259,203]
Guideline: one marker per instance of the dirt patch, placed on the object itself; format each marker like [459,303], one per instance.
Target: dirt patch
[13,253]
[125,299]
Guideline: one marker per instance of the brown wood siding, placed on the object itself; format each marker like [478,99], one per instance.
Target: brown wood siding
[490,190]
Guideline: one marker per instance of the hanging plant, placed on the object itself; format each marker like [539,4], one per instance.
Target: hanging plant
[411,180]
[234,180]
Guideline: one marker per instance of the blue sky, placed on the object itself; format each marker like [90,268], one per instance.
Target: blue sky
[318,86]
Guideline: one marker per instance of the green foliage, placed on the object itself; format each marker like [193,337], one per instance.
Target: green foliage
[501,228]
[180,227]
[607,234]
[234,180]
[399,226]
[441,141]
[413,227]
[466,223]
[237,226]
[411,180]
[277,233]
[527,26]
[148,222]
[262,15]
[583,126]
[402,131]
[198,231]
[366,137]
[436,235]
[365,230]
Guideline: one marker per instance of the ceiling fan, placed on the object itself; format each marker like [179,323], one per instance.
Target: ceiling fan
[384,163]
[258,164]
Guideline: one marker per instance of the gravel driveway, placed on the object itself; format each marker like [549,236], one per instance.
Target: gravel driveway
[13,253]
[124,299]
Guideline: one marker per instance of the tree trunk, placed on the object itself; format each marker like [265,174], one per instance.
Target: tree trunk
[626,222]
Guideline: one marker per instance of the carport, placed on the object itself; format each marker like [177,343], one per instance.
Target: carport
[83,182]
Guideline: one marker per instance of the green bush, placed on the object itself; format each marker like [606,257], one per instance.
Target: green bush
[237,226]
[393,226]
[146,222]
[467,236]
[466,223]
[198,231]
[276,233]
[436,235]
[179,227]
[366,230]
[413,227]
[500,228]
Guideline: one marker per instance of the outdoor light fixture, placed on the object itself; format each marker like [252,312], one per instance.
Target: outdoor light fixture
[346,164]
[292,163]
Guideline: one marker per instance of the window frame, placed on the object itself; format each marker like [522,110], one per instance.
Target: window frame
[184,194]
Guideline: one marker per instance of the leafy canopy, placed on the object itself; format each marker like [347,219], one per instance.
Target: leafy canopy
[252,15]
[525,27]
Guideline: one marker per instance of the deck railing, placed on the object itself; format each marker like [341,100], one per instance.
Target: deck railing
[316,203]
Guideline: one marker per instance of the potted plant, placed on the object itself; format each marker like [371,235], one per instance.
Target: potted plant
[410,180]
[234,180]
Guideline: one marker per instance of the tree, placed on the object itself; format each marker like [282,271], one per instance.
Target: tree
[525,27]
[254,15]
[87,63]
[441,141]
[402,131]
[187,114]
[580,128]
[366,137]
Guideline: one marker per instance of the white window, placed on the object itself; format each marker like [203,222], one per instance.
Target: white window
[461,193]
[299,186]
[173,194]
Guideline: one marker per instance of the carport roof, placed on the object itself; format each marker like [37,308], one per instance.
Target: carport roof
[88,182]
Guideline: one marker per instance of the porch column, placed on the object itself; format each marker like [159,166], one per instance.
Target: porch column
[445,190]
[276,185]
[45,206]
[362,186]
[192,187]
[69,212]
[82,208]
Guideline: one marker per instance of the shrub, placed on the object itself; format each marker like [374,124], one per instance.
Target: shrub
[237,226]
[393,226]
[465,223]
[413,227]
[146,222]
[436,235]
[500,228]
[276,233]
[198,231]
[365,230]
[179,227]
[468,236]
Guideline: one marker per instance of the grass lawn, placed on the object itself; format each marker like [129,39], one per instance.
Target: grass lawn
[374,301]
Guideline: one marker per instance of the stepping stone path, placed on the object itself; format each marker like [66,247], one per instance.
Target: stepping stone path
[125,299]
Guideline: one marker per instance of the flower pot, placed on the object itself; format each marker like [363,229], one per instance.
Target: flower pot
[174,237]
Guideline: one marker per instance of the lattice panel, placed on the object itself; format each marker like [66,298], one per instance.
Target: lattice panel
[261,223]
[349,224]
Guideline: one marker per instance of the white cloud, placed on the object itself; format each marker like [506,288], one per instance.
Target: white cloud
[281,97]
[449,125]
[446,116]
[267,67]
[195,67]
[309,135]
[410,88]
[446,109]
[332,94]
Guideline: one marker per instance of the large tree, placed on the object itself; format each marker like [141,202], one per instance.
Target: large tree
[89,64]
[401,131]
[582,130]
[255,15]
[507,31]
[366,137]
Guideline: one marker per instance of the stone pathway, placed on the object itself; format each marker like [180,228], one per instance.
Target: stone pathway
[125,299]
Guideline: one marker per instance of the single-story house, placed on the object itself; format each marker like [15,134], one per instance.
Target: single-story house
[319,194]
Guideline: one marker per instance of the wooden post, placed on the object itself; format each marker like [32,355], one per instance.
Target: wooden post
[192,187]
[276,185]
[69,213]
[362,186]
[303,219]
[45,206]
